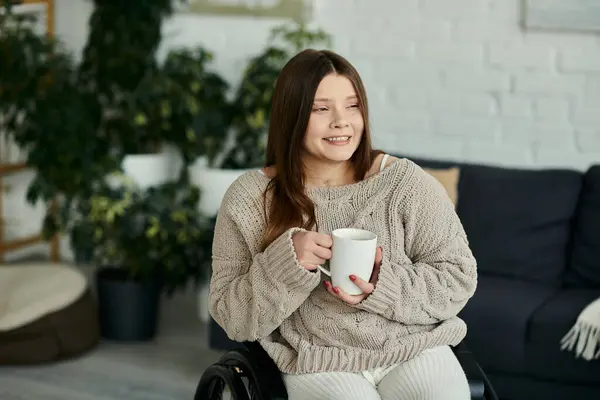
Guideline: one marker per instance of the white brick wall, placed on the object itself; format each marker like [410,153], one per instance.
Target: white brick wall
[438,72]
[454,79]
[507,56]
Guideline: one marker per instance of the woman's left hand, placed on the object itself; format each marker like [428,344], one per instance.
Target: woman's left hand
[366,287]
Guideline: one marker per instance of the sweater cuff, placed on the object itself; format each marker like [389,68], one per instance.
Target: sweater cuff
[386,293]
[282,263]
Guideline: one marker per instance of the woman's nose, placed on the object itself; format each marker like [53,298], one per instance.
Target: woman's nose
[340,123]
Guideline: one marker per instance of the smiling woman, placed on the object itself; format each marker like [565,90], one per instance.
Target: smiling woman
[387,335]
[327,133]
[336,123]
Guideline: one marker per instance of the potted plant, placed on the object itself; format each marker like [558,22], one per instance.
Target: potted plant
[119,67]
[200,124]
[114,111]
[24,65]
[192,112]
[251,111]
[104,109]
[41,100]
[142,122]
[144,243]
[189,108]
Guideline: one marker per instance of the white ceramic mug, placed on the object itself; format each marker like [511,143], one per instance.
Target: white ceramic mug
[353,253]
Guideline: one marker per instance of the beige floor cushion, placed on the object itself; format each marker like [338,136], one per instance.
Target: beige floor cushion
[47,313]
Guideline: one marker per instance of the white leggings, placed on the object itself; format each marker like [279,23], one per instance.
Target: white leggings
[435,374]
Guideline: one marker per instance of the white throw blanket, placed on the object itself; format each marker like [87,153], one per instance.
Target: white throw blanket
[584,337]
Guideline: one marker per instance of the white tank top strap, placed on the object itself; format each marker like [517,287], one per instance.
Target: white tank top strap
[383,161]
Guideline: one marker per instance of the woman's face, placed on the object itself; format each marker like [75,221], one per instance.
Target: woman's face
[336,124]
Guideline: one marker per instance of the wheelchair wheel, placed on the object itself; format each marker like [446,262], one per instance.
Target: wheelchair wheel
[250,385]
[214,381]
[260,384]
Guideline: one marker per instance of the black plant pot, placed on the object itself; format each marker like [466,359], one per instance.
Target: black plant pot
[128,308]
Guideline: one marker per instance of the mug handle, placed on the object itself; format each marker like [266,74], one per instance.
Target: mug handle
[323,270]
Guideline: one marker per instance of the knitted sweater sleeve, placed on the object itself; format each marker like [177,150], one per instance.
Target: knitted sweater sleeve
[252,294]
[437,273]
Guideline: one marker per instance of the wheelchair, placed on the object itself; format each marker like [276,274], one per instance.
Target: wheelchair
[251,374]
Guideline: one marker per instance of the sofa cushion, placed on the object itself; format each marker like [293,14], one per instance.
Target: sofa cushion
[584,268]
[549,324]
[448,178]
[497,318]
[519,221]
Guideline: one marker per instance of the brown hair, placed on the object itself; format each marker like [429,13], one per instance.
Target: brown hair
[293,98]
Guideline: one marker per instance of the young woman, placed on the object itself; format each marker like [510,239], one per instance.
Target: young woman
[273,230]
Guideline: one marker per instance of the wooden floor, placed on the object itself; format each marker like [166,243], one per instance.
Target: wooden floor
[167,368]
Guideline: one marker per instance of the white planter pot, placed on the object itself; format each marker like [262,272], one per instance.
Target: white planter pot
[148,170]
[213,184]
[203,292]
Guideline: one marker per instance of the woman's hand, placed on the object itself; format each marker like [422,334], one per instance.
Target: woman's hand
[366,287]
[312,248]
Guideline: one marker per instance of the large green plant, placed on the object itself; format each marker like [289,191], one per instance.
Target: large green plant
[44,108]
[118,60]
[203,117]
[182,103]
[121,45]
[73,119]
[150,234]
[252,101]
[78,121]
[24,66]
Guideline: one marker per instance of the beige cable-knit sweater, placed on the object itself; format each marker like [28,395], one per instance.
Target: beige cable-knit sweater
[427,275]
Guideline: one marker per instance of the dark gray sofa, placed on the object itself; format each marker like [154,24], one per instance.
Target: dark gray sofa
[536,236]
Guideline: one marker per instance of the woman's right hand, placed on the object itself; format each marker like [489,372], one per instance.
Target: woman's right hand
[312,248]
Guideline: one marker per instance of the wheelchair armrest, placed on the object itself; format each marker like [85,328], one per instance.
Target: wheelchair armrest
[479,385]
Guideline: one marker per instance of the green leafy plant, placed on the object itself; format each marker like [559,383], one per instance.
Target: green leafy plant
[252,103]
[119,100]
[78,121]
[121,46]
[152,234]
[182,103]
[118,62]
[24,65]
[44,109]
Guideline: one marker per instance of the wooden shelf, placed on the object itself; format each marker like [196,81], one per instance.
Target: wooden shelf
[15,244]
[11,168]
[49,9]
[20,243]
[20,2]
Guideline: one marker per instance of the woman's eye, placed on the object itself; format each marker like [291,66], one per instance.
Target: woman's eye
[353,106]
[320,109]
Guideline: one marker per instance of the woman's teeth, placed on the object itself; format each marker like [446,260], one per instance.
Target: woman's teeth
[338,139]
